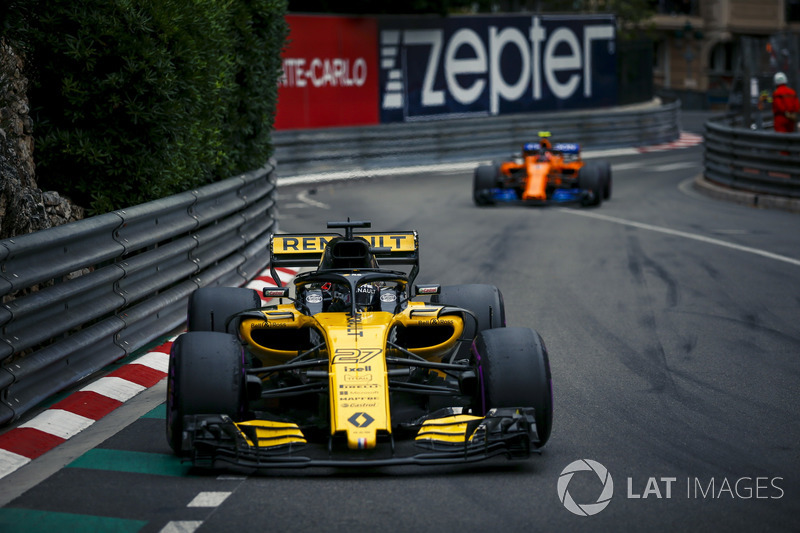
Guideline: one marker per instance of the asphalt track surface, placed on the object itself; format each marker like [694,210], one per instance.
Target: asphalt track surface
[672,324]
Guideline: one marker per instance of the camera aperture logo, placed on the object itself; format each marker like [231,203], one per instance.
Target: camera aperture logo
[585,509]
[585,488]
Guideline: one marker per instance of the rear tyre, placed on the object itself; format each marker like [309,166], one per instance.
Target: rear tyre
[515,370]
[210,307]
[589,179]
[484,181]
[206,376]
[484,301]
[605,178]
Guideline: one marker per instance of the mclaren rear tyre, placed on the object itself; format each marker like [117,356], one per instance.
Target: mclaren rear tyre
[590,180]
[210,307]
[515,370]
[484,181]
[206,376]
[605,177]
[485,302]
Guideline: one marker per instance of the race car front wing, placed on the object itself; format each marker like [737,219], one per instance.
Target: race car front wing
[445,437]
[558,196]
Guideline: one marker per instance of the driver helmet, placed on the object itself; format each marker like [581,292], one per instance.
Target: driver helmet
[780,78]
[544,143]
[367,296]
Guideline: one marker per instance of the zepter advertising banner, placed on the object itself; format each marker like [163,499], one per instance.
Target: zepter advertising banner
[491,65]
[330,73]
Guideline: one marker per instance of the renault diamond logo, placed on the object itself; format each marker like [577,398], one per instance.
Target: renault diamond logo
[361,420]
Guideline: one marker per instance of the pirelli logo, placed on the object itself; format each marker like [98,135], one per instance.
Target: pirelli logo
[304,244]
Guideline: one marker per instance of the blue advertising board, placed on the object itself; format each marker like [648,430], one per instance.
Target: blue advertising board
[491,65]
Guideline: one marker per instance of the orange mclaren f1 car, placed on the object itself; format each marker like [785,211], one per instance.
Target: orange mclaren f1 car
[544,173]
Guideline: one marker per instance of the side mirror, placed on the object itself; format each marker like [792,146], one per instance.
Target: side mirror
[420,290]
[276,292]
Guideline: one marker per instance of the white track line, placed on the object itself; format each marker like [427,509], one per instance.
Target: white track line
[685,235]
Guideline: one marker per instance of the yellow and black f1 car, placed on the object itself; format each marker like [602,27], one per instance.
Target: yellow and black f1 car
[354,371]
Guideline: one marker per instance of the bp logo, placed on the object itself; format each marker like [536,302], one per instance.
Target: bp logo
[585,509]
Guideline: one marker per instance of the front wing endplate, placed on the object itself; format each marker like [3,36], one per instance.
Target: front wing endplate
[445,437]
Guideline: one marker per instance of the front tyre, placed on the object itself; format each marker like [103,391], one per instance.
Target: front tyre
[515,372]
[484,181]
[206,376]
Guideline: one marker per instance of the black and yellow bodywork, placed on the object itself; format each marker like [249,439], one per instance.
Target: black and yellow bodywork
[352,371]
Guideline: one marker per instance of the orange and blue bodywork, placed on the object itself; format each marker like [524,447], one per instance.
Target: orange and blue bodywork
[544,173]
[549,173]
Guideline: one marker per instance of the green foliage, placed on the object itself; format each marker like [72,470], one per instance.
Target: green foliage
[382,7]
[135,100]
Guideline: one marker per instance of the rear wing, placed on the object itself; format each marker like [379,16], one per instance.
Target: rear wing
[298,249]
[564,148]
[567,148]
[306,249]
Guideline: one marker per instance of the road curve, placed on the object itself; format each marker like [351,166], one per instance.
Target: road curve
[671,321]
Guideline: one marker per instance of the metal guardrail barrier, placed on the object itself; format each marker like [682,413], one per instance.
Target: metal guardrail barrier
[81,296]
[756,161]
[471,138]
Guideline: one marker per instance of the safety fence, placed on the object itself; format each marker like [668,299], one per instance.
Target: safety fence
[78,297]
[753,160]
[473,138]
